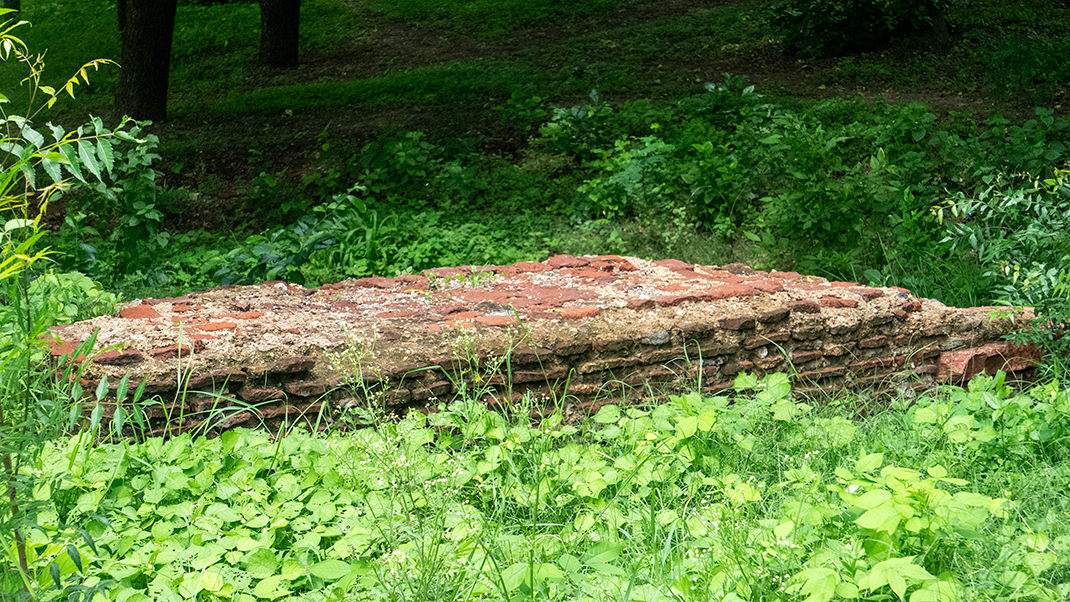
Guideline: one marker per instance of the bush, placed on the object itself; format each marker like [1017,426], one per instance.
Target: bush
[833,27]
[1021,238]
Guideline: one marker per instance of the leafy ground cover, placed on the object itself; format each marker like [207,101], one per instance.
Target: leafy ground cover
[757,495]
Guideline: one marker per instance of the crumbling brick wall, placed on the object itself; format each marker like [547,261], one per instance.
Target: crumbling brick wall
[569,329]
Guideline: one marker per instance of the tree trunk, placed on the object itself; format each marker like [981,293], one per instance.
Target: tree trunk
[146,27]
[279,25]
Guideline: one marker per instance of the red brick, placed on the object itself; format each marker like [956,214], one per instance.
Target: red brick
[119,358]
[254,395]
[911,307]
[741,323]
[375,282]
[867,293]
[139,312]
[567,349]
[214,326]
[774,315]
[838,284]
[446,273]
[497,320]
[292,330]
[730,291]
[171,300]
[766,286]
[306,388]
[291,365]
[829,301]
[244,315]
[216,379]
[530,266]
[61,347]
[873,342]
[822,374]
[804,307]
[170,351]
[566,261]
[960,366]
[392,315]
[640,304]
[674,264]
[572,313]
[785,275]
[414,281]
[806,356]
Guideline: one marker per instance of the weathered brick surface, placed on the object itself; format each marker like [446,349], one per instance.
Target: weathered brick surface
[569,328]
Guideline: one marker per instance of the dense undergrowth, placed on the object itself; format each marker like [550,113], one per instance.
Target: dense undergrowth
[751,496]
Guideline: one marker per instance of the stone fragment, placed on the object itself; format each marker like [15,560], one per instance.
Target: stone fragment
[655,338]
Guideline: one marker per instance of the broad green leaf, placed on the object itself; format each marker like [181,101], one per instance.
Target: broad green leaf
[706,421]
[270,588]
[869,462]
[882,518]
[71,155]
[106,154]
[211,581]
[16,224]
[330,570]
[102,388]
[515,575]
[687,426]
[261,563]
[53,169]
[86,154]
[872,498]
[33,136]
[607,415]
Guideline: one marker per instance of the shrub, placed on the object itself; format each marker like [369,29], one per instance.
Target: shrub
[834,27]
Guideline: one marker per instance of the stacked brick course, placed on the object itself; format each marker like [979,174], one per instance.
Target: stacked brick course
[570,329]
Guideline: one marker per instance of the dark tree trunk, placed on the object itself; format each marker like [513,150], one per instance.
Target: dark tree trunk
[279,25]
[146,28]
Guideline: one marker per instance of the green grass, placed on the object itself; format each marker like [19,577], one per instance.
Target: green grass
[755,496]
[438,85]
[491,17]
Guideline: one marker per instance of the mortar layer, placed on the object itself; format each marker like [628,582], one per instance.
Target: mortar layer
[569,329]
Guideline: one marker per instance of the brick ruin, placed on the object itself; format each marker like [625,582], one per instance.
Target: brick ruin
[570,330]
